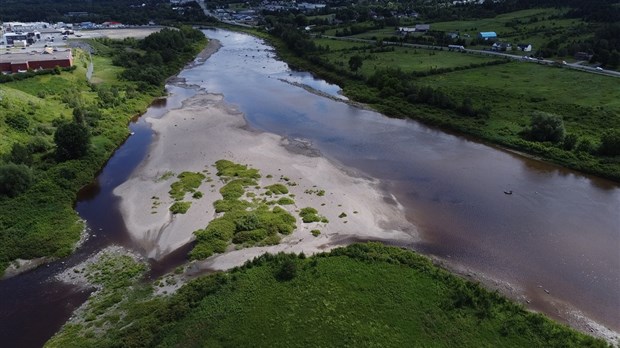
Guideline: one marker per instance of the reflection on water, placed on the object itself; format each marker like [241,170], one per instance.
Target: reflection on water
[559,229]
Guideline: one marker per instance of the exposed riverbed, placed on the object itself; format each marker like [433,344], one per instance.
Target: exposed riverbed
[554,241]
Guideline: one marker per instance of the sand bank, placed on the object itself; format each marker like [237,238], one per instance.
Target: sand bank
[205,130]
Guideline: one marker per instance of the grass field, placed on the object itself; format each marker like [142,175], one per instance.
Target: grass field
[533,26]
[589,103]
[363,295]
[405,58]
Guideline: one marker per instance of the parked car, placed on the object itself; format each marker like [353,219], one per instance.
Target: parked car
[599,68]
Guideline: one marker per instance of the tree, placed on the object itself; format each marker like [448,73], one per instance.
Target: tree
[355,62]
[610,143]
[14,179]
[547,127]
[20,154]
[72,141]
[287,270]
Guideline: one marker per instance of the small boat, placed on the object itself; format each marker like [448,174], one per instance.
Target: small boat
[132,133]
[508,192]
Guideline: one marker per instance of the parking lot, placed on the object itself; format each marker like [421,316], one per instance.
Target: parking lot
[55,38]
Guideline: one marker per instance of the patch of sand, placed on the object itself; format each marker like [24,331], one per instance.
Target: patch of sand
[205,130]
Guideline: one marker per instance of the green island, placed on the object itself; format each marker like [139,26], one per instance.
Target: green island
[58,129]
[243,222]
[330,299]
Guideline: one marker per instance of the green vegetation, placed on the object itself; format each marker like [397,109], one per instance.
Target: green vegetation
[277,189]
[56,131]
[115,277]
[244,223]
[188,183]
[310,214]
[285,201]
[228,169]
[328,300]
[180,207]
[315,233]
[342,215]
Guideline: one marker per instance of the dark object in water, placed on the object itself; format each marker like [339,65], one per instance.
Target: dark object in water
[508,192]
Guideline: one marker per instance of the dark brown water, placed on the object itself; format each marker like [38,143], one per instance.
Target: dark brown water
[559,231]
[33,306]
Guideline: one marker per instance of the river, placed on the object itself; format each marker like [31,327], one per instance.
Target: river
[554,241]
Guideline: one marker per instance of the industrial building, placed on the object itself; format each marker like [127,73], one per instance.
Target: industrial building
[24,61]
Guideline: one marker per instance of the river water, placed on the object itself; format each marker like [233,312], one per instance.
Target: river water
[555,240]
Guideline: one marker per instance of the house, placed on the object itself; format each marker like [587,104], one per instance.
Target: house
[422,27]
[501,47]
[524,47]
[583,56]
[405,30]
[17,62]
[487,35]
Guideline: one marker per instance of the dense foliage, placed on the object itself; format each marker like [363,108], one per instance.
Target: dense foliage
[159,55]
[361,295]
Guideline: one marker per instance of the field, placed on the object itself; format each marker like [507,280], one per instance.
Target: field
[513,91]
[362,295]
[535,26]
[404,58]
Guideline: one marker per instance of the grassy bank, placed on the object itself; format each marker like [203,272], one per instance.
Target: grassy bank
[361,295]
[38,183]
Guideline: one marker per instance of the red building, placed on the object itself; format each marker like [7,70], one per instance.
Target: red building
[20,62]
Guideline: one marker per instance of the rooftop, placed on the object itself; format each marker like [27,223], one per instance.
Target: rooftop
[24,57]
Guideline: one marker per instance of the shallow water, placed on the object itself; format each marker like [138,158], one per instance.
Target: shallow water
[559,231]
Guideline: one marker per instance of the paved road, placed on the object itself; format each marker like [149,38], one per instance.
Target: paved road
[489,53]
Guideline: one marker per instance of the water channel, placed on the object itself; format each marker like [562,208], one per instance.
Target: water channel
[555,240]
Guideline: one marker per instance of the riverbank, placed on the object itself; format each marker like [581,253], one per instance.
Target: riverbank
[205,130]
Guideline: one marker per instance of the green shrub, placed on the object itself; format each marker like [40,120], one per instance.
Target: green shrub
[230,169]
[309,215]
[180,207]
[18,122]
[610,143]
[315,233]
[72,141]
[287,270]
[277,189]
[14,179]
[188,182]
[546,127]
[285,201]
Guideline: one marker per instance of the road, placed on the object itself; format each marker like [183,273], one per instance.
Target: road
[574,66]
